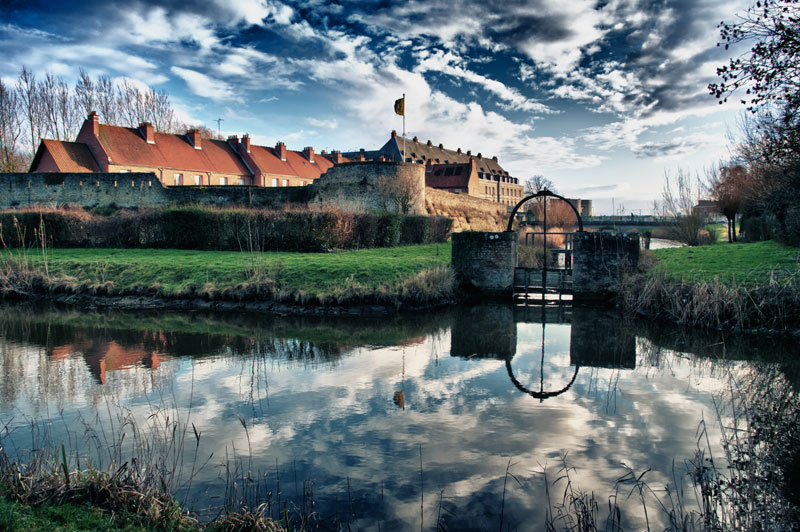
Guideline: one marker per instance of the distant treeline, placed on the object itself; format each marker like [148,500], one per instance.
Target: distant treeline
[208,229]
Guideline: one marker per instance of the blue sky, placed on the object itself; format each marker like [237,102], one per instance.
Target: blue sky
[602,97]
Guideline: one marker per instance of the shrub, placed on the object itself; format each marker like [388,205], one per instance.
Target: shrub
[203,228]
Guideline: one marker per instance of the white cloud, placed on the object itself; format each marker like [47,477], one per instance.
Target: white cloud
[450,64]
[203,85]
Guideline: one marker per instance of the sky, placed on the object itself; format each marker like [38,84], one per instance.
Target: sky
[601,97]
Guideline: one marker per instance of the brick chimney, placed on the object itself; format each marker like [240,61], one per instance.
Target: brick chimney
[246,142]
[480,156]
[95,121]
[394,133]
[429,143]
[458,150]
[494,158]
[382,159]
[308,151]
[196,139]
[280,149]
[336,157]
[148,132]
[469,153]
[441,146]
[360,156]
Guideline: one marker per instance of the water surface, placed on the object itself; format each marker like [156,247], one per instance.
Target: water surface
[405,422]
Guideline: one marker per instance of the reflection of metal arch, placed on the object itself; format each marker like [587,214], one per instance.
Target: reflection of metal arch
[541,193]
[541,394]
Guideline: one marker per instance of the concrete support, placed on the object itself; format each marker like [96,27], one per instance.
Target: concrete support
[485,262]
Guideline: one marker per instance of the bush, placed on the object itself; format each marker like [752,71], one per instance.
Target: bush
[209,229]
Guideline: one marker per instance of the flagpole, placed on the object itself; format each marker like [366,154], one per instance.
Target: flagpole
[404,127]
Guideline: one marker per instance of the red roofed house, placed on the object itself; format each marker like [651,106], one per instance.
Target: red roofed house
[57,156]
[180,159]
[280,167]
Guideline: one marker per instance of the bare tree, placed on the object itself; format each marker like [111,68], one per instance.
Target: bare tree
[85,97]
[10,129]
[30,105]
[107,101]
[732,187]
[59,108]
[398,193]
[537,183]
[679,195]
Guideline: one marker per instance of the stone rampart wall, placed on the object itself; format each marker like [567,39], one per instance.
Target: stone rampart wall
[363,186]
[468,213]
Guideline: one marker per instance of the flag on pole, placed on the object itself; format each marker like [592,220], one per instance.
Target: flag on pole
[400,106]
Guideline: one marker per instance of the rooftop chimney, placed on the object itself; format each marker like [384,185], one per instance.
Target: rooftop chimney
[336,157]
[479,155]
[469,153]
[280,147]
[381,158]
[394,133]
[195,139]
[148,132]
[441,146]
[360,156]
[458,150]
[415,139]
[494,158]
[429,143]
[246,142]
[95,122]
[308,151]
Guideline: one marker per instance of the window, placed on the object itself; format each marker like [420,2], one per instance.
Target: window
[223,180]
[178,179]
[285,183]
[198,179]
[302,183]
[274,182]
[240,181]
[124,171]
[448,171]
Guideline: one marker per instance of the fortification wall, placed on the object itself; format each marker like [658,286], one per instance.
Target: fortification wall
[133,190]
[468,213]
[372,185]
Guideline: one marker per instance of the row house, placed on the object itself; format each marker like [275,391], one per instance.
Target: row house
[180,159]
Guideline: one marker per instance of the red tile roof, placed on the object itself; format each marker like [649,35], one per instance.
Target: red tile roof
[296,163]
[126,146]
[69,156]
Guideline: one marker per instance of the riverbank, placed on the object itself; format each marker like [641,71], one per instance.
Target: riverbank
[745,287]
[362,281]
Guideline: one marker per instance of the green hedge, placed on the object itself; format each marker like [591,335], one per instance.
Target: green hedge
[208,229]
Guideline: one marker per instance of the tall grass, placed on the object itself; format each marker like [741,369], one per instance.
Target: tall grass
[772,304]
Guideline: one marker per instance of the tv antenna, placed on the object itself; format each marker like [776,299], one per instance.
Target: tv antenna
[218,121]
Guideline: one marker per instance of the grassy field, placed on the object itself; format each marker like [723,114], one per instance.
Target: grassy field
[174,272]
[731,263]
[15,517]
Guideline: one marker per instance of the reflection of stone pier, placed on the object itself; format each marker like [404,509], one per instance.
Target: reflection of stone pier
[484,331]
[490,331]
[599,342]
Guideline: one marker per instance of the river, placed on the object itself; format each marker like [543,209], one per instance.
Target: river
[460,419]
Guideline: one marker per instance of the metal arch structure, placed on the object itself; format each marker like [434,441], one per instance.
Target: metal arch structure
[542,193]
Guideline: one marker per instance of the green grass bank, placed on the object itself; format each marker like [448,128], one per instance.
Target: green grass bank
[408,275]
[738,286]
